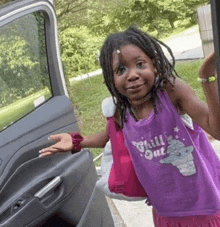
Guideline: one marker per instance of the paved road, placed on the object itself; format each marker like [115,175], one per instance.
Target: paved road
[186,45]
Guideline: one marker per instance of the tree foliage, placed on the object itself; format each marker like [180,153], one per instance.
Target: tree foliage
[23,61]
[15,65]
[83,24]
[71,13]
[79,50]
[159,17]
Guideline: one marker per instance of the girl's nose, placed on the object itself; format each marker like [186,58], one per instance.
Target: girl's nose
[133,75]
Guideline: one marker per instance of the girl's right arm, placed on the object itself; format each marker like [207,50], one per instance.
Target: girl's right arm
[206,115]
[64,143]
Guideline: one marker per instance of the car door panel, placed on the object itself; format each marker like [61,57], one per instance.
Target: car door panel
[45,191]
[32,133]
[26,188]
[77,172]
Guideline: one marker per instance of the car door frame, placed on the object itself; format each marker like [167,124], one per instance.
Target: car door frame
[215,4]
[18,9]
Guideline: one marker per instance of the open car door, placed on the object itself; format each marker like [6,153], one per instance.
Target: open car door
[58,190]
[215,4]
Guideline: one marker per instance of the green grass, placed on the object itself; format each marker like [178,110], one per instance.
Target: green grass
[188,71]
[87,97]
[89,93]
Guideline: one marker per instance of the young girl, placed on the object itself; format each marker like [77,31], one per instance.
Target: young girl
[173,160]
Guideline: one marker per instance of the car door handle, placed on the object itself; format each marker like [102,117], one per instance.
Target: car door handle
[48,187]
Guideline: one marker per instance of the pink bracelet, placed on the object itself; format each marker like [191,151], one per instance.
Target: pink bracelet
[76,140]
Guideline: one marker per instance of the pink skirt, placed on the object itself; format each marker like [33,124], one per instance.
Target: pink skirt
[189,221]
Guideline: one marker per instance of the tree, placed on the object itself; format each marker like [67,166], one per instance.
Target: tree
[23,62]
[71,13]
[155,16]
[79,50]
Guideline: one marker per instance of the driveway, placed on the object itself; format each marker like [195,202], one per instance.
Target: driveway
[185,45]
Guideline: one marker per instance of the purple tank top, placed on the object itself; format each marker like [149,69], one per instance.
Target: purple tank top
[176,165]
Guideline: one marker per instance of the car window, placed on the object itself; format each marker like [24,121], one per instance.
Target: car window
[24,74]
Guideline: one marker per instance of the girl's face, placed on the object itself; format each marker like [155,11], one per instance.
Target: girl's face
[133,72]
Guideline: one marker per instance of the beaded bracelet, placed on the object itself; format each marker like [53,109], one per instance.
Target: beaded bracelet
[210,79]
[76,140]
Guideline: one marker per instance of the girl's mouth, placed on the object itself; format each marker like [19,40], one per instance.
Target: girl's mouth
[134,87]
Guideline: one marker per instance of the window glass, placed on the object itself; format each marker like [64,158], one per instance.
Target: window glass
[24,77]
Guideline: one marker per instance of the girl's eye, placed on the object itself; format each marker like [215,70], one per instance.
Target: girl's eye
[120,70]
[140,64]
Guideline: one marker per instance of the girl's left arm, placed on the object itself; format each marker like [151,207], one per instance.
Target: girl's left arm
[205,115]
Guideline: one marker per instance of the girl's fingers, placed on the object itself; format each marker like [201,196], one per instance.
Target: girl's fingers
[51,150]
[63,143]
[55,137]
[46,154]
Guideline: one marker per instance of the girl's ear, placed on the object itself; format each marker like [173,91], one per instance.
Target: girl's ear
[155,69]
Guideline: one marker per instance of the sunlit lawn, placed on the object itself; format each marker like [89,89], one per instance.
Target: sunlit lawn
[88,95]
[189,72]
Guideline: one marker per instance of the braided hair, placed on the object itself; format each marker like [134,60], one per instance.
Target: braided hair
[151,47]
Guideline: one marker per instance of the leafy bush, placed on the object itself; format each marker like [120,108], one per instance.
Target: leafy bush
[20,74]
[79,50]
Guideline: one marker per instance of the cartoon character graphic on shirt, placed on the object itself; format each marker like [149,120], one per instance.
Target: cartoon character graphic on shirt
[180,156]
